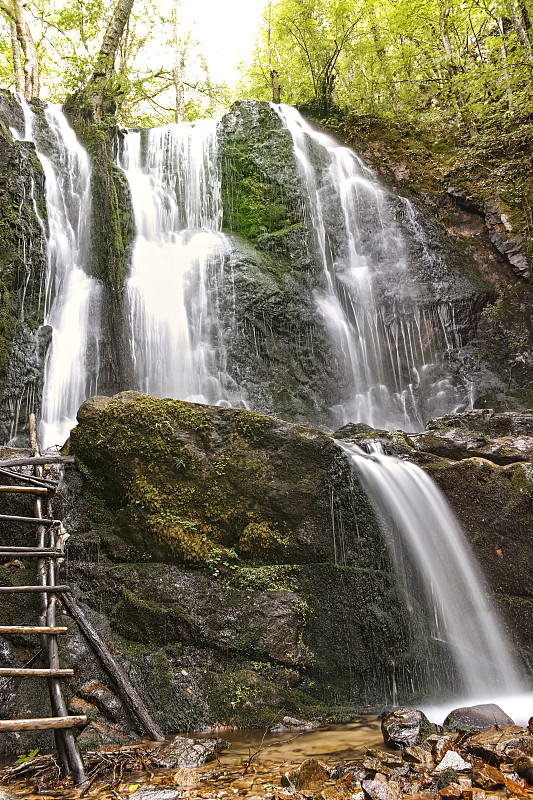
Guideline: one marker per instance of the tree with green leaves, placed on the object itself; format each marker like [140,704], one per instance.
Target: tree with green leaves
[26,69]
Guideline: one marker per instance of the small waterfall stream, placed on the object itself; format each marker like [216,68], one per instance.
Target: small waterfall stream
[419,526]
[179,258]
[391,349]
[71,295]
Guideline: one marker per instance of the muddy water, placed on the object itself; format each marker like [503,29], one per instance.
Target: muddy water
[330,743]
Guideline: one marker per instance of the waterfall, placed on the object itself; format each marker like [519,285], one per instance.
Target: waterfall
[390,346]
[180,259]
[71,295]
[419,526]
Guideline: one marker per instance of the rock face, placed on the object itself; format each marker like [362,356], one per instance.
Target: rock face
[236,568]
[23,231]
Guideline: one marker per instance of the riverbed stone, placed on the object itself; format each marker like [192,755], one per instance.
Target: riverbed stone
[496,745]
[378,790]
[524,767]
[488,777]
[477,718]
[185,752]
[453,760]
[404,727]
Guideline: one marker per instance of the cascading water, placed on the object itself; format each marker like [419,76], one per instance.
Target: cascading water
[71,295]
[419,527]
[390,348]
[179,258]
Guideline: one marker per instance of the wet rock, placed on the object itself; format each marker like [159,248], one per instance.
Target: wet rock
[477,718]
[293,724]
[524,767]
[78,706]
[155,793]
[416,755]
[403,727]
[345,788]
[97,734]
[514,789]
[474,794]
[184,752]
[498,744]
[488,777]
[452,790]
[453,760]
[101,696]
[376,790]
[390,759]
[309,776]
[439,746]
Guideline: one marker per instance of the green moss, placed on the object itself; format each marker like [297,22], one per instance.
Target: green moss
[260,541]
[148,454]
[252,426]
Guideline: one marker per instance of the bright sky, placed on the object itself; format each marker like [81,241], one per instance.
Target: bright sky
[226,30]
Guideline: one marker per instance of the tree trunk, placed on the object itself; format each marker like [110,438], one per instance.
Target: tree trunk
[503,51]
[520,30]
[178,67]
[453,68]
[15,12]
[276,90]
[105,64]
[17,63]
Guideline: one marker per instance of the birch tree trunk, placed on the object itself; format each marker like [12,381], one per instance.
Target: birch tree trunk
[17,62]
[14,10]
[105,63]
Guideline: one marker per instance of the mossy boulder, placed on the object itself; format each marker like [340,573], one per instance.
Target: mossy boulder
[199,485]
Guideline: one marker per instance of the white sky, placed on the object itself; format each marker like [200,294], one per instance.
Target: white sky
[226,30]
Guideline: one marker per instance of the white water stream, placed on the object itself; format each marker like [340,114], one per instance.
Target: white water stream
[71,302]
[179,257]
[391,358]
[418,525]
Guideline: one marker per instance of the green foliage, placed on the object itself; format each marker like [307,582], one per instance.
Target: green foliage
[25,758]
[460,60]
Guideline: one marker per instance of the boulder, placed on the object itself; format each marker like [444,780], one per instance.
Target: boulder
[184,752]
[524,767]
[477,718]
[377,790]
[310,776]
[404,727]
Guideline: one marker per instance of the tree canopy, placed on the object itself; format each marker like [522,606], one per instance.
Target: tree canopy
[144,57]
[470,59]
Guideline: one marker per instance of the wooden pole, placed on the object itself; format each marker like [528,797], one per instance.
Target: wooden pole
[43,724]
[27,461]
[123,684]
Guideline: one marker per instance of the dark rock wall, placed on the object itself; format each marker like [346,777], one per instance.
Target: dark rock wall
[23,221]
[234,567]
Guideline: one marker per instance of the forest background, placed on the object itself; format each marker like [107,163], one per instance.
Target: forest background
[446,84]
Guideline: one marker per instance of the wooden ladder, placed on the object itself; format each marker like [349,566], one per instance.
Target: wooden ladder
[46,552]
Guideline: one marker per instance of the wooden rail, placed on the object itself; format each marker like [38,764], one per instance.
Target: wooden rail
[20,672]
[37,589]
[43,724]
[23,629]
